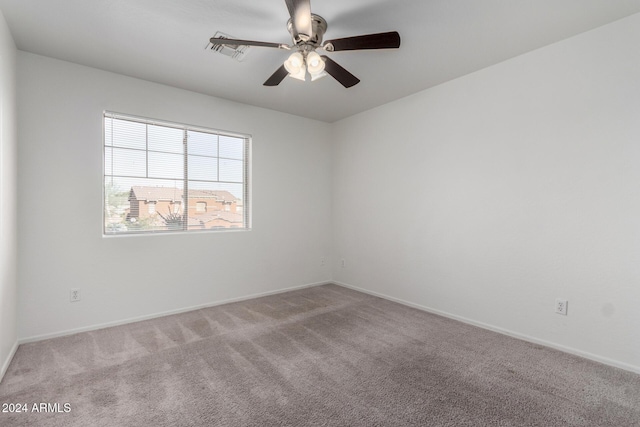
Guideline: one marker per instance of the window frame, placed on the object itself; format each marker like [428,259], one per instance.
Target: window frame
[186,128]
[201,207]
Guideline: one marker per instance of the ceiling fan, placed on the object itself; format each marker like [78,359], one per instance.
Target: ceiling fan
[307,30]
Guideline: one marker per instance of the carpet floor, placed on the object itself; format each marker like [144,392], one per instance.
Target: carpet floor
[322,356]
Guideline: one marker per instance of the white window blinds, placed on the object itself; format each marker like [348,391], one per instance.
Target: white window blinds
[163,177]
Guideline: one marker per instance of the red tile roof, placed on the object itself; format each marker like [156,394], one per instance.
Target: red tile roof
[175,194]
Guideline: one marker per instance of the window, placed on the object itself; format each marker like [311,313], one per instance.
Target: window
[159,175]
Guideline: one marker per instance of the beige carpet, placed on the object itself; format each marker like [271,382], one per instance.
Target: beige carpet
[319,356]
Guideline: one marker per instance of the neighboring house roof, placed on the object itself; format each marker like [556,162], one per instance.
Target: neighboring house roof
[223,215]
[154,194]
[219,195]
[203,220]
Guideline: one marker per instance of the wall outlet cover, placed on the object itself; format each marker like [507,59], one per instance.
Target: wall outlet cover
[561,306]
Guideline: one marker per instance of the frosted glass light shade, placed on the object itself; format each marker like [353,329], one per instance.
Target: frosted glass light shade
[315,64]
[300,75]
[294,63]
[319,75]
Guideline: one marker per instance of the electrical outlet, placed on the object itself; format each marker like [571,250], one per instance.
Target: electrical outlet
[74,295]
[561,306]
[344,263]
[322,261]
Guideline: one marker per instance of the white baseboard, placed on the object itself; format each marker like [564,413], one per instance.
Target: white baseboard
[563,348]
[164,313]
[8,360]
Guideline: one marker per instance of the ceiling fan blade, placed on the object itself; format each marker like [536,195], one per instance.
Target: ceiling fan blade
[390,40]
[336,71]
[300,11]
[277,77]
[237,42]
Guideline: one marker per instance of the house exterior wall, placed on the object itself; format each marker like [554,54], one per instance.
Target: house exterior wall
[155,210]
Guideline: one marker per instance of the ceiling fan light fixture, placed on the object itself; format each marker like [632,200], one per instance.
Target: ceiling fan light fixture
[300,75]
[315,64]
[295,63]
[316,76]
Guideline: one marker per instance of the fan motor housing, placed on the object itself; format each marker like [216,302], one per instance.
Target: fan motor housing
[318,26]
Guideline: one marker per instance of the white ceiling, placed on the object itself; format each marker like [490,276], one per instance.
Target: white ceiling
[164,41]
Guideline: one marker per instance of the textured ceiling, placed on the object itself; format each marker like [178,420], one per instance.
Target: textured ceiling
[164,41]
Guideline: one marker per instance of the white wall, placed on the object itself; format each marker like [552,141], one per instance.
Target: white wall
[8,187]
[60,109]
[488,197]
